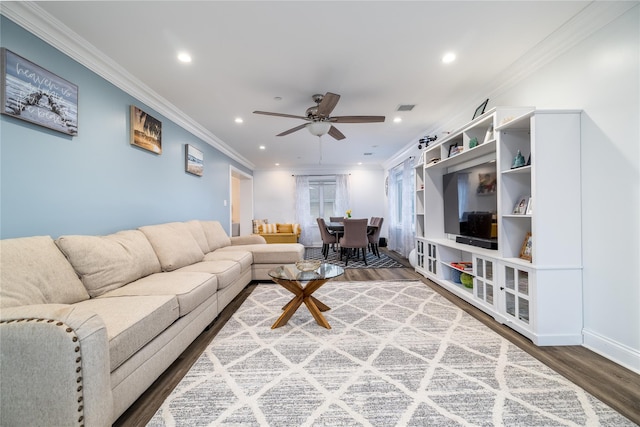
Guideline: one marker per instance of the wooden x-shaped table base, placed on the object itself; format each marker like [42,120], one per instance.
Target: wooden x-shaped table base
[302,294]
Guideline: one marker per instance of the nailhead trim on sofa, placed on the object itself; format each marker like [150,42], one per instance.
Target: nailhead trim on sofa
[78,361]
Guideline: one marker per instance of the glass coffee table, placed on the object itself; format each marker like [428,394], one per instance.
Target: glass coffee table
[303,284]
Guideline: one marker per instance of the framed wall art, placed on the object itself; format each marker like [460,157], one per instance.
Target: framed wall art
[146,131]
[194,160]
[35,95]
[480,109]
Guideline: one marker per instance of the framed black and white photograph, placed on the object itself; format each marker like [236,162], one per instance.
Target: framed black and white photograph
[521,207]
[480,109]
[35,95]
[146,131]
[453,150]
[194,160]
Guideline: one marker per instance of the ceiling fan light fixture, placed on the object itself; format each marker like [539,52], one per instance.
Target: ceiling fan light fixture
[319,128]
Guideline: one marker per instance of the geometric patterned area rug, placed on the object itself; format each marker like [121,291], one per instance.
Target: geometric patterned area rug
[398,354]
[373,261]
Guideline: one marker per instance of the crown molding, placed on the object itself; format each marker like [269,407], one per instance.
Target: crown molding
[43,25]
[34,19]
[594,16]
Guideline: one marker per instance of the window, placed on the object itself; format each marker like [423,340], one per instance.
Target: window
[322,194]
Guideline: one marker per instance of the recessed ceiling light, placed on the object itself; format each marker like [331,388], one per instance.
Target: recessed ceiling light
[397,119]
[277,98]
[449,57]
[277,164]
[239,120]
[359,163]
[184,57]
[262,147]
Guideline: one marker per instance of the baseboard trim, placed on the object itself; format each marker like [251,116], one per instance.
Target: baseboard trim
[612,350]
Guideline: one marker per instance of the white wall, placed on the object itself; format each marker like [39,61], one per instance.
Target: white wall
[274,195]
[601,76]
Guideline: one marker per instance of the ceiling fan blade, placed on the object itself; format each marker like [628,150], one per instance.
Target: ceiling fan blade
[328,103]
[266,113]
[292,130]
[357,119]
[334,132]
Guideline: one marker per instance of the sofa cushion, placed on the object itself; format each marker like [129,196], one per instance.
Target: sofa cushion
[216,236]
[225,271]
[239,255]
[132,321]
[174,244]
[195,227]
[108,262]
[280,238]
[285,228]
[276,253]
[34,271]
[191,289]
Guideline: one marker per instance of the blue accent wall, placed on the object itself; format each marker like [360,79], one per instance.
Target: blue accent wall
[96,182]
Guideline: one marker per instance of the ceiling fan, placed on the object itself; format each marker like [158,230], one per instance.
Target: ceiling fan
[319,120]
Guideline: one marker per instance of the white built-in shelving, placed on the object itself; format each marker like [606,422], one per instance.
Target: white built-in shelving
[540,295]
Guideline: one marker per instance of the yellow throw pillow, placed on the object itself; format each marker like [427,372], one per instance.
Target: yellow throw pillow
[296,229]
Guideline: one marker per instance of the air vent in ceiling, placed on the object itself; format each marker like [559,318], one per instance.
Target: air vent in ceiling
[368,154]
[405,107]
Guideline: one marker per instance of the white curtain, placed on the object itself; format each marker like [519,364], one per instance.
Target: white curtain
[342,195]
[401,204]
[303,210]
[408,193]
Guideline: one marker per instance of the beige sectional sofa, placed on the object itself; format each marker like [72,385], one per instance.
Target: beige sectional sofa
[88,323]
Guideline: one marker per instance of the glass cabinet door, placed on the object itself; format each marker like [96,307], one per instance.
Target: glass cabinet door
[420,253]
[432,259]
[484,283]
[517,294]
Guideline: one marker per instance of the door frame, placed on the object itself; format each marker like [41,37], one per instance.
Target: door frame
[245,198]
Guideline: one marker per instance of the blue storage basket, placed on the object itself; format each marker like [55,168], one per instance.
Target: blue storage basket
[455,275]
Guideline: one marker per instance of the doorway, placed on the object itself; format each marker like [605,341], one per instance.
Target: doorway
[241,205]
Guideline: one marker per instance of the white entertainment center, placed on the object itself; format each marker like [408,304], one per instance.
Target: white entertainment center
[536,290]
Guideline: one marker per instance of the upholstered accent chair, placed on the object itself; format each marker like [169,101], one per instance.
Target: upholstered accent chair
[354,239]
[328,239]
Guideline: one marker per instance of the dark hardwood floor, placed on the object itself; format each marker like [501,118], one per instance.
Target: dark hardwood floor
[611,383]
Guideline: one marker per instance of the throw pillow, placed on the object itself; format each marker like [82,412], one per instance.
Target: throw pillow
[269,228]
[257,223]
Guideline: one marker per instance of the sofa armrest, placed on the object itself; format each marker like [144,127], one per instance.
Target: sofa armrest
[55,367]
[248,240]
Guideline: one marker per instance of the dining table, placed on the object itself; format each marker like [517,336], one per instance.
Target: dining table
[338,227]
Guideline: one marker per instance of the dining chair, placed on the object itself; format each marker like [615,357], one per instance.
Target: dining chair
[336,219]
[374,237]
[327,238]
[354,239]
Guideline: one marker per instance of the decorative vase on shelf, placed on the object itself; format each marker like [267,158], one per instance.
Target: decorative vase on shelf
[518,161]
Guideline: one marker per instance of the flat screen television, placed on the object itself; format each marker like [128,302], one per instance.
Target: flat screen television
[471,205]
